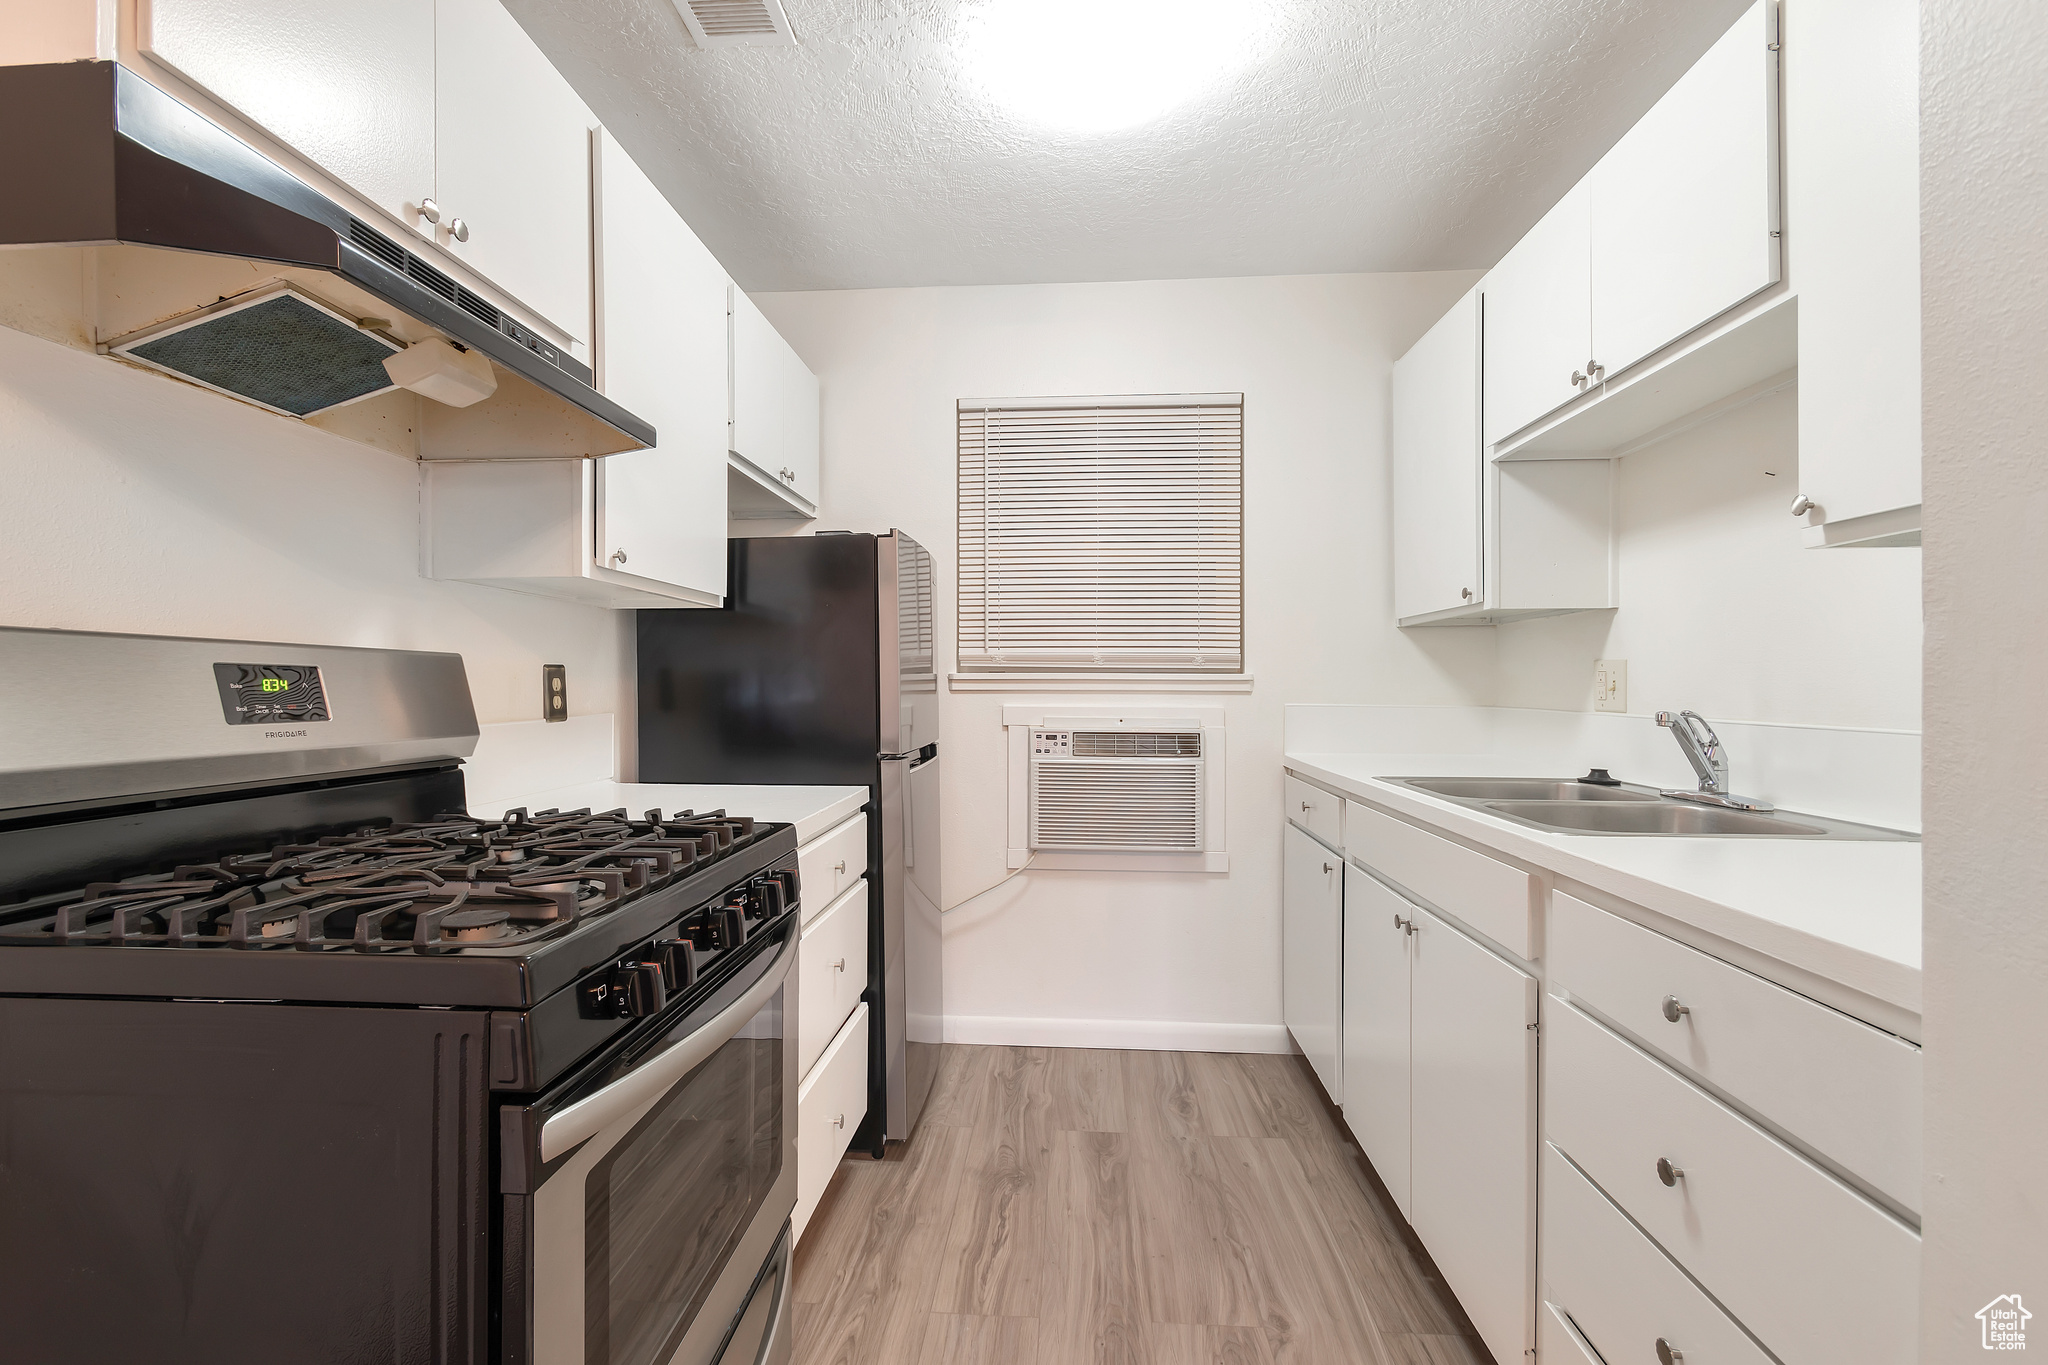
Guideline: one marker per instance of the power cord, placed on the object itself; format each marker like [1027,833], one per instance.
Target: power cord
[986,889]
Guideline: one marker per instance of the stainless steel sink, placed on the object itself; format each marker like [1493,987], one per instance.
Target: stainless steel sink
[1563,806]
[1653,817]
[1526,789]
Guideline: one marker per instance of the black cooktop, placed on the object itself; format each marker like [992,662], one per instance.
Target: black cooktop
[454,910]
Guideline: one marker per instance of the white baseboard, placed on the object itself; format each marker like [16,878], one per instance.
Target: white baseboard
[1142,1035]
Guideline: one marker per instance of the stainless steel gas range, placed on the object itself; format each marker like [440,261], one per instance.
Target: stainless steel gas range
[299,1061]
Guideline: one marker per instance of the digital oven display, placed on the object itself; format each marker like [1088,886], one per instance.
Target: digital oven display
[266,694]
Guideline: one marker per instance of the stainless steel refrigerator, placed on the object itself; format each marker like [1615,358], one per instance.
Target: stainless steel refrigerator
[819,669]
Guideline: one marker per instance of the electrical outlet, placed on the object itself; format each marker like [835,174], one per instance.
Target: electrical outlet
[1610,684]
[554,691]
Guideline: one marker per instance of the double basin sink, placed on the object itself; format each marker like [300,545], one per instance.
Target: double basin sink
[1569,807]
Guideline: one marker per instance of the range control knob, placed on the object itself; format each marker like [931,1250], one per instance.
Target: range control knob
[638,989]
[732,925]
[771,896]
[678,958]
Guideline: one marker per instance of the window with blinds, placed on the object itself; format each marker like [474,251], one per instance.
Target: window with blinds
[1102,534]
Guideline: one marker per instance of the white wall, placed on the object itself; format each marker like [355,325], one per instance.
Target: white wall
[137,503]
[1984,273]
[1723,610]
[1197,955]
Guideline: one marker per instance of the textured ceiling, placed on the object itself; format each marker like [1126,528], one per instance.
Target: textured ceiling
[1371,135]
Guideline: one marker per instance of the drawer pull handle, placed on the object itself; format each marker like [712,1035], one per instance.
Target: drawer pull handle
[840,965]
[1669,1173]
[1667,1354]
[1307,806]
[839,866]
[1673,1010]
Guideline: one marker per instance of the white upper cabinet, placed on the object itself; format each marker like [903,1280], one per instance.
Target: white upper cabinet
[1438,559]
[774,420]
[1684,210]
[1852,137]
[350,87]
[514,163]
[760,372]
[1539,318]
[662,354]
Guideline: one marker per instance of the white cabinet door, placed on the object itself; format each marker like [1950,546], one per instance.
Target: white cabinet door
[660,352]
[513,162]
[1376,1029]
[1438,561]
[1852,147]
[350,87]
[759,373]
[1474,1129]
[1312,933]
[1684,210]
[1538,314]
[799,423]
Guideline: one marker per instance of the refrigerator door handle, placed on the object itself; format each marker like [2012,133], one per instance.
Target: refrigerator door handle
[917,757]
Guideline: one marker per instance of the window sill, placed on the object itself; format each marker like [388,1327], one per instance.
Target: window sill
[1099,682]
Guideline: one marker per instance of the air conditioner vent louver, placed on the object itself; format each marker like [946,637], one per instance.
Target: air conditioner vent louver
[1136,744]
[737,23]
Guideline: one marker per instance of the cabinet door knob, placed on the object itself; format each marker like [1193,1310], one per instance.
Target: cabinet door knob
[1326,869]
[1802,504]
[1673,1010]
[618,556]
[839,866]
[839,1122]
[1307,806]
[788,475]
[1578,380]
[1669,1173]
[1465,593]
[458,229]
[1399,922]
[1594,369]
[840,965]
[430,210]
[1667,1354]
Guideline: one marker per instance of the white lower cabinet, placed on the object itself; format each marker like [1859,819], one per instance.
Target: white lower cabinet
[1445,1104]
[1619,1292]
[1377,1028]
[1311,953]
[1813,1269]
[829,1105]
[832,862]
[832,970]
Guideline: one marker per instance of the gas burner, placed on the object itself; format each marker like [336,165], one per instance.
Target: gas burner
[440,886]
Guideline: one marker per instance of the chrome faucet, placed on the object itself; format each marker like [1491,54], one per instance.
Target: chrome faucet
[1703,750]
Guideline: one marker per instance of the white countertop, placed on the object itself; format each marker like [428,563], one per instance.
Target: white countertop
[813,810]
[1847,912]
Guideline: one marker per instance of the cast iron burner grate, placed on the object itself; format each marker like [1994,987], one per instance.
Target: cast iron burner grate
[442,886]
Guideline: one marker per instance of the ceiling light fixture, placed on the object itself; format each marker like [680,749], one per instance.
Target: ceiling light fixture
[1097,66]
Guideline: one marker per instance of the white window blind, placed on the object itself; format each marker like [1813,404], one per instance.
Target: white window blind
[1102,534]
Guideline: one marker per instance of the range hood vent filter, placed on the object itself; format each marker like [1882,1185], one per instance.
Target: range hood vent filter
[281,351]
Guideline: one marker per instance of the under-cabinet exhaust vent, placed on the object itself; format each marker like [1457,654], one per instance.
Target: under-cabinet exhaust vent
[1117,791]
[737,23]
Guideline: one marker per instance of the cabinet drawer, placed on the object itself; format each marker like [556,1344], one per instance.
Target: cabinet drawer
[830,863]
[1316,811]
[1483,892]
[832,971]
[1848,1090]
[1816,1271]
[829,1106]
[1622,1293]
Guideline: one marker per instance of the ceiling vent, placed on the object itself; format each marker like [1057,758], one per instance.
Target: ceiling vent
[737,23]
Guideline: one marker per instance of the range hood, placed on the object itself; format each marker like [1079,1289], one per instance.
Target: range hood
[300,298]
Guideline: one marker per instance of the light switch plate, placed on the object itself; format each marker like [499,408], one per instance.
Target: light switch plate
[1610,685]
[554,691]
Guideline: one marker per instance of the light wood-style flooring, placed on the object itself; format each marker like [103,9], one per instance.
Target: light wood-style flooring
[1065,1207]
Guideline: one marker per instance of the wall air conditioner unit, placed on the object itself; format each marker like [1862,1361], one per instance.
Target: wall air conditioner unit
[1128,792]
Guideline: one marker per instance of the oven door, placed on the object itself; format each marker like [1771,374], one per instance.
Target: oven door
[645,1205]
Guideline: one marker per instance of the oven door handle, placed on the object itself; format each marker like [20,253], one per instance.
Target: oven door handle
[646,1083]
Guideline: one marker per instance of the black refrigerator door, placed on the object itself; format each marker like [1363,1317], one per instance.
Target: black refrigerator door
[780,686]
